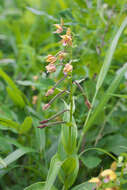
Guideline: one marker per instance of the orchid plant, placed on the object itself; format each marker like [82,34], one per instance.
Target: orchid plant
[67,149]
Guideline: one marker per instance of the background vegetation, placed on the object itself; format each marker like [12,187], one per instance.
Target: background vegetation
[26,38]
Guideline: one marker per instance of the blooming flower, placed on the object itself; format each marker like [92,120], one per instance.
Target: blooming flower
[51,68]
[67,39]
[51,59]
[109,174]
[68,68]
[46,106]
[49,92]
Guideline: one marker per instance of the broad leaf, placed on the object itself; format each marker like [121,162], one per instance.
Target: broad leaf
[38,186]
[26,125]
[53,172]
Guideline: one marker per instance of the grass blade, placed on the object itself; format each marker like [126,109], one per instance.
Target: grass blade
[109,55]
[15,155]
[106,97]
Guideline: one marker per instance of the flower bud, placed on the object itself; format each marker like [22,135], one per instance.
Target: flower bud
[59,28]
[46,106]
[68,68]
[88,104]
[42,126]
[51,59]
[66,40]
[51,68]
[49,92]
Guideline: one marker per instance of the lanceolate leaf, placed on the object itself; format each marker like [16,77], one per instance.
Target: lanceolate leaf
[26,125]
[16,98]
[84,186]
[109,55]
[13,87]
[38,12]
[119,95]
[53,172]
[9,123]
[15,155]
[40,136]
[69,142]
[9,81]
[69,171]
[38,186]
[106,97]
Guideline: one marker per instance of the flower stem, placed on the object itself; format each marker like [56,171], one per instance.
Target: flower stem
[52,123]
[55,97]
[53,117]
[85,128]
[59,82]
[71,99]
[71,107]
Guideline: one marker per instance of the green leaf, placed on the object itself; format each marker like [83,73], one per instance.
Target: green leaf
[9,123]
[91,161]
[2,163]
[109,55]
[113,143]
[69,171]
[69,143]
[40,136]
[15,155]
[84,186]
[9,81]
[38,186]
[119,95]
[53,172]
[13,86]
[37,12]
[16,98]
[26,125]
[26,83]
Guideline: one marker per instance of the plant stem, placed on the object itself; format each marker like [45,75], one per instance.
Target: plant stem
[71,106]
[59,82]
[85,128]
[71,99]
